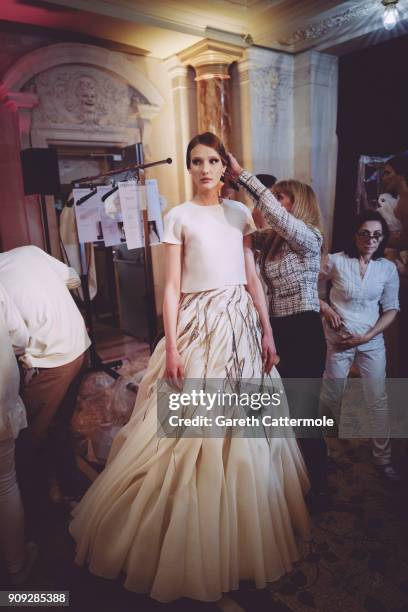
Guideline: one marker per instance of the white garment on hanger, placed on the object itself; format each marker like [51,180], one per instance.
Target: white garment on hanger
[112,206]
[70,251]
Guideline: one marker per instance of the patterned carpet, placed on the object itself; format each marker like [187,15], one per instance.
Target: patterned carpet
[359,559]
[105,404]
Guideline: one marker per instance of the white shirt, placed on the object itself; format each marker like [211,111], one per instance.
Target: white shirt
[212,237]
[357,300]
[13,334]
[38,283]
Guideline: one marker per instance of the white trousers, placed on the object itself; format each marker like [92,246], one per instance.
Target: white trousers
[11,510]
[371,362]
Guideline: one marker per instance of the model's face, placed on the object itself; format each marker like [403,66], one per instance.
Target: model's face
[390,179]
[283,199]
[369,237]
[206,168]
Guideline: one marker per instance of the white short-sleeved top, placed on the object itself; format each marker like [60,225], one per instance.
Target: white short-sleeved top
[357,300]
[213,253]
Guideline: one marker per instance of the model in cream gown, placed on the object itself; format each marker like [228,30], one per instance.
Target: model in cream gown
[191,517]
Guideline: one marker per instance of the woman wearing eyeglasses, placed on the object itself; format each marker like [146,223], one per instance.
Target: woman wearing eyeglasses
[363,303]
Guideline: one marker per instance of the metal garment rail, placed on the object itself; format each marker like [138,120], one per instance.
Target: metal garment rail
[138,171]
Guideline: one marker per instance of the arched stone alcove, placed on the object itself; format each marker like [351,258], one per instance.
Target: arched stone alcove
[80,96]
[74,93]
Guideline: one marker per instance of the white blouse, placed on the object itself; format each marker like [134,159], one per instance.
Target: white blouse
[212,239]
[357,300]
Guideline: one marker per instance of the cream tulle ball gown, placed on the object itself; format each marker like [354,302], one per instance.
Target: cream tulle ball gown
[191,517]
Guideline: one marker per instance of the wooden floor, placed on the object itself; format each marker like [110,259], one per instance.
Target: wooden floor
[111,343]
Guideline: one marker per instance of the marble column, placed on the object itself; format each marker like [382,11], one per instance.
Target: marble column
[213,101]
[211,61]
[185,115]
[14,222]
[25,103]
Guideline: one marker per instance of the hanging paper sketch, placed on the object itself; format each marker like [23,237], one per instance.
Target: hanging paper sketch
[132,202]
[87,214]
[154,212]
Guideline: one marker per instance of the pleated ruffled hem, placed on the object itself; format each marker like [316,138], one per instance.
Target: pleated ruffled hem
[191,517]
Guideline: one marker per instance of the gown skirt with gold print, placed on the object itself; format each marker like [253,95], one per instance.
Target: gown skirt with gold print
[191,517]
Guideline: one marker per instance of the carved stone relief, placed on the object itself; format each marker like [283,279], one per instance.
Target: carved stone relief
[264,85]
[325,26]
[83,96]
[271,111]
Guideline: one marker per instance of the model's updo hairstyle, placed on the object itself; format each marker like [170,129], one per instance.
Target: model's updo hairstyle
[209,140]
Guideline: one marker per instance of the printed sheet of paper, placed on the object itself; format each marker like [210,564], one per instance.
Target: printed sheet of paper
[131,201]
[88,216]
[154,212]
[112,225]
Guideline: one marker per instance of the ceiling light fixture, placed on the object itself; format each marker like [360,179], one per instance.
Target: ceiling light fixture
[391,15]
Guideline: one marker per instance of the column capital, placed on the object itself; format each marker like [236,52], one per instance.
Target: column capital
[23,99]
[211,58]
[24,102]
[175,67]
[314,67]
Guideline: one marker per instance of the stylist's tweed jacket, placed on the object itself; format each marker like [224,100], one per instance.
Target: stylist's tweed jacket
[293,272]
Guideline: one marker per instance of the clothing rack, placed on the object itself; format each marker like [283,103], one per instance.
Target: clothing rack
[130,168]
[138,171]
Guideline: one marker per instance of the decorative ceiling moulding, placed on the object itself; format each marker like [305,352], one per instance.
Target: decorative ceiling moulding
[207,53]
[329,25]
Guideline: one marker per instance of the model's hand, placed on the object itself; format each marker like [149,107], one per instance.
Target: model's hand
[269,355]
[233,169]
[174,369]
[351,341]
[332,317]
